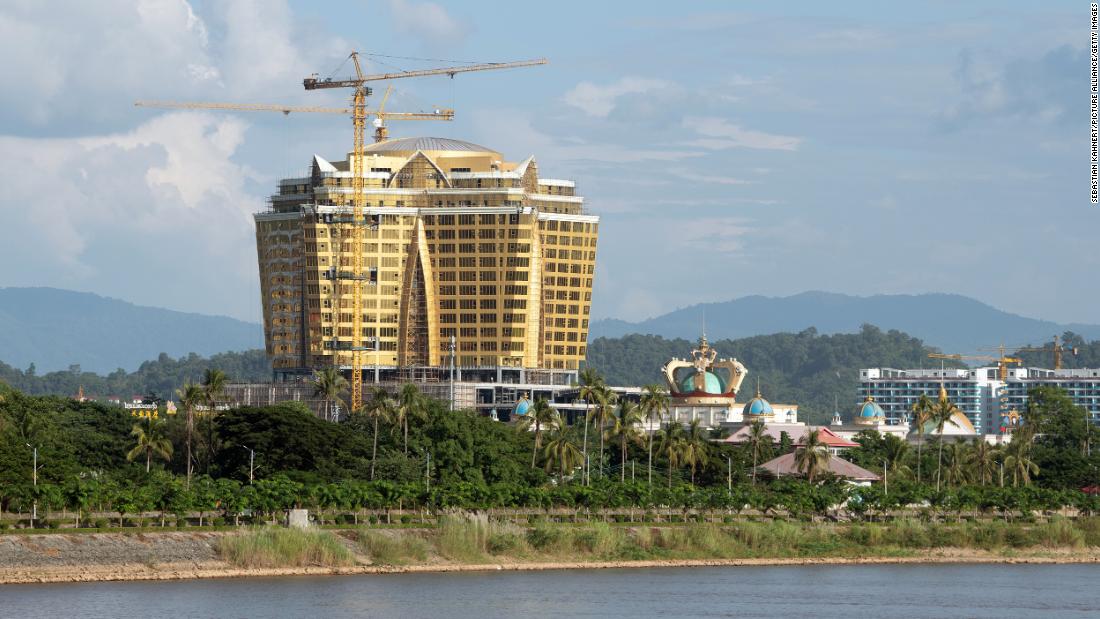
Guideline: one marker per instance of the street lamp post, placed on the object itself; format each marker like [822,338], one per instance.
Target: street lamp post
[452,349]
[251,462]
[34,484]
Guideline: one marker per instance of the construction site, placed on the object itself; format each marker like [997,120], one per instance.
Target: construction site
[427,260]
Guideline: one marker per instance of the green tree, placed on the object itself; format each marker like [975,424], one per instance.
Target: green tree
[922,414]
[1018,458]
[696,447]
[540,417]
[672,445]
[982,460]
[410,404]
[190,396]
[214,382]
[942,412]
[561,452]
[812,457]
[150,441]
[329,384]
[625,428]
[588,392]
[379,408]
[757,439]
[654,403]
[605,406]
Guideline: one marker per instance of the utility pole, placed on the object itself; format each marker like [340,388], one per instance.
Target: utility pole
[251,462]
[729,474]
[428,473]
[34,483]
[885,482]
[452,348]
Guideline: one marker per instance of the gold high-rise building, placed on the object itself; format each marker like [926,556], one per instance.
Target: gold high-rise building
[458,243]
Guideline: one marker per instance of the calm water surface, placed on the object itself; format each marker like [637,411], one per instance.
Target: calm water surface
[849,592]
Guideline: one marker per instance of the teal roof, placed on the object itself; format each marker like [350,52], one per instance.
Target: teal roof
[711,384]
[871,410]
[522,407]
[756,407]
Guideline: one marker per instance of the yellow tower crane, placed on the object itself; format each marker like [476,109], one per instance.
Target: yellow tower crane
[1002,361]
[1055,348]
[358,221]
[438,114]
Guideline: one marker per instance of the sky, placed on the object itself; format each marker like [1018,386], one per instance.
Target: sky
[730,149]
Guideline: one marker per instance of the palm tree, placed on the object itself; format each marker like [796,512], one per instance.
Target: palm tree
[758,435]
[956,457]
[624,427]
[1018,458]
[590,383]
[213,386]
[605,403]
[410,405]
[328,384]
[922,414]
[983,460]
[540,416]
[672,446]
[896,453]
[942,413]
[150,441]
[654,403]
[812,458]
[190,396]
[696,446]
[562,450]
[378,409]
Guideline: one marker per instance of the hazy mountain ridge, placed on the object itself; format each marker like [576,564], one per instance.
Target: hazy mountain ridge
[55,328]
[953,323]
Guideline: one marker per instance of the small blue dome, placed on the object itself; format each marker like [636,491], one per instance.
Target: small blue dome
[871,410]
[757,407]
[522,407]
[711,384]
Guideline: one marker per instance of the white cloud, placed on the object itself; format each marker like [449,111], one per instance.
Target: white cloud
[715,234]
[428,21]
[599,101]
[158,214]
[688,175]
[720,134]
[80,68]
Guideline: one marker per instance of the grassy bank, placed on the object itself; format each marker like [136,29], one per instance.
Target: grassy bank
[477,540]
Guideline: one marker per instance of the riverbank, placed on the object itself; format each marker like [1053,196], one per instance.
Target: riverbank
[472,544]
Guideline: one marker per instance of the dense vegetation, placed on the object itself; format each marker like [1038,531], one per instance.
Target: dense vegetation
[402,450]
[162,376]
[811,370]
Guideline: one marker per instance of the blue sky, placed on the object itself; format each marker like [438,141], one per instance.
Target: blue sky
[731,148]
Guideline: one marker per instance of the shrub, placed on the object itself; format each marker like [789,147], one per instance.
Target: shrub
[597,538]
[53,524]
[373,519]
[4,526]
[218,522]
[278,547]
[395,549]
[101,523]
[544,537]
[505,542]
[464,537]
[406,519]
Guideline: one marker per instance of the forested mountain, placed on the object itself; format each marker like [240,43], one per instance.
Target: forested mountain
[55,329]
[951,322]
[805,368]
[162,376]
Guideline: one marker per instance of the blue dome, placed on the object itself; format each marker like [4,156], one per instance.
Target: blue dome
[522,407]
[711,384]
[757,407]
[871,410]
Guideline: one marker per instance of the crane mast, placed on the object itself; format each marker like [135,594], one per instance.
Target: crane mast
[360,92]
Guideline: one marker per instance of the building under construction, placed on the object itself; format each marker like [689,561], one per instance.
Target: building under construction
[466,259]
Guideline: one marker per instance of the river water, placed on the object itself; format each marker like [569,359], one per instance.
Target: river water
[818,592]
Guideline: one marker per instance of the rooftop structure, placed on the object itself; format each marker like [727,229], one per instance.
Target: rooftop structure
[785,466]
[989,403]
[460,247]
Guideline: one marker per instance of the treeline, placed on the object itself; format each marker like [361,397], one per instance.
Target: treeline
[161,376]
[1088,353]
[817,372]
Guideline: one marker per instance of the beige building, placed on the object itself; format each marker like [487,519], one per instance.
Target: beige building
[458,243]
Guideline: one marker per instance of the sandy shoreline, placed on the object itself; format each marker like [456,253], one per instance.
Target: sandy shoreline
[148,571]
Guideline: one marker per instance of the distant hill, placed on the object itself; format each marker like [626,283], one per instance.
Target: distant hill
[55,328]
[953,323]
